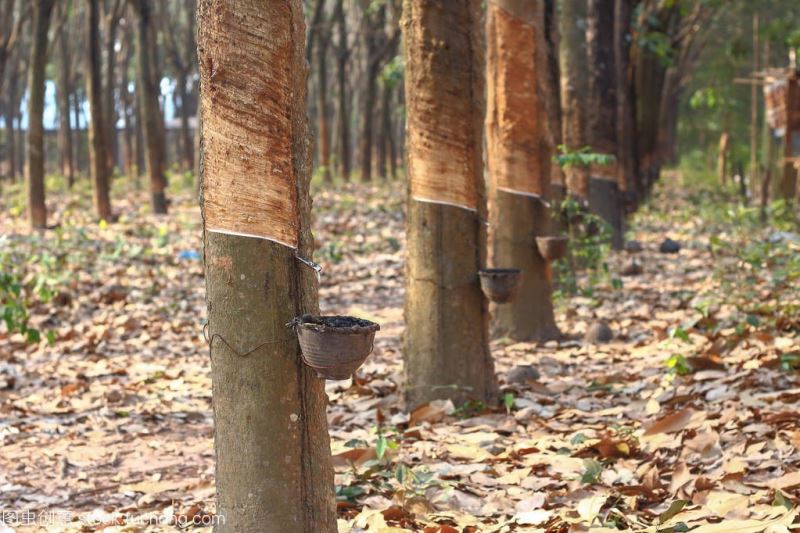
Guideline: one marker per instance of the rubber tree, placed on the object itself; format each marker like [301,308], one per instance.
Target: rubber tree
[98,146]
[519,153]
[273,462]
[148,89]
[574,87]
[604,195]
[446,339]
[34,171]
[626,113]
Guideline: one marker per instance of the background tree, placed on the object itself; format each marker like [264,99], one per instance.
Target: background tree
[574,87]
[37,209]
[150,113]
[604,199]
[446,338]
[98,139]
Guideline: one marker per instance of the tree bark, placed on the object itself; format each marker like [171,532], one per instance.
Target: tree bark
[446,339]
[373,30]
[108,101]
[187,142]
[519,151]
[626,112]
[602,116]
[324,141]
[63,92]
[386,131]
[37,209]
[572,60]
[554,114]
[11,114]
[148,89]
[274,471]
[98,148]
[342,55]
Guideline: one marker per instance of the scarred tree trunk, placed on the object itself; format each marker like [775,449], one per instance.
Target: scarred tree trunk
[557,184]
[519,151]
[446,339]
[150,111]
[37,210]
[273,464]
[572,60]
[98,162]
[384,139]
[604,196]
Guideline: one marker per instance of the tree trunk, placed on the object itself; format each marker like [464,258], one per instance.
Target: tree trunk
[385,131]
[722,158]
[519,151]
[11,114]
[98,162]
[602,116]
[373,28]
[37,210]
[187,142]
[76,115]
[572,60]
[150,111]
[274,471]
[63,92]
[626,113]
[446,339]
[322,104]
[557,186]
[342,55]
[127,111]
[108,102]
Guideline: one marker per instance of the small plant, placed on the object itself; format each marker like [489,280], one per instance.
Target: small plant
[582,157]
[677,364]
[589,245]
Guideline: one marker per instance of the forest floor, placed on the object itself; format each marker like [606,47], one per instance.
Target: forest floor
[688,417]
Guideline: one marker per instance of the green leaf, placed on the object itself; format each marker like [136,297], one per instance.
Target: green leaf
[508,401]
[780,501]
[381,446]
[592,471]
[674,508]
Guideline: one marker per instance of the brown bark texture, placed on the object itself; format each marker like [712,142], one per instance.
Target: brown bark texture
[446,339]
[602,117]
[572,62]
[519,151]
[274,471]
[34,171]
[150,111]
[98,148]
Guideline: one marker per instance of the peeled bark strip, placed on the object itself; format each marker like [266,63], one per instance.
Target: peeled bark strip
[446,339]
[274,470]
[37,210]
[519,152]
